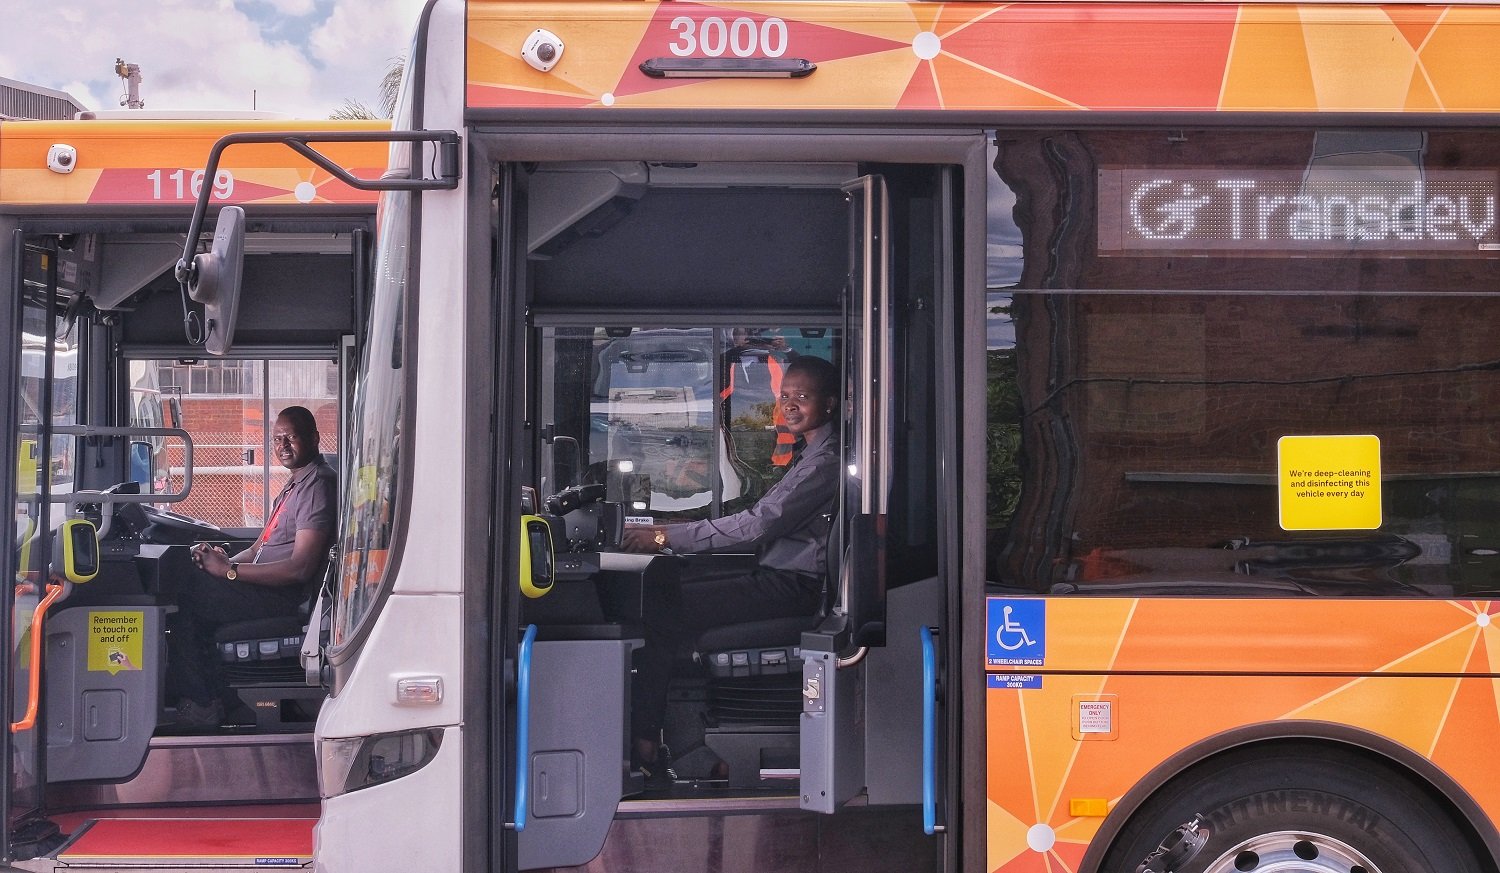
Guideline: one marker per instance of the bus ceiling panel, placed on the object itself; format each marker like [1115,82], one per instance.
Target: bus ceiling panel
[563,194]
[134,260]
[780,248]
[285,300]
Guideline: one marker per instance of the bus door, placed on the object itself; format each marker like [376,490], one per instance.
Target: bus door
[832,735]
[31,471]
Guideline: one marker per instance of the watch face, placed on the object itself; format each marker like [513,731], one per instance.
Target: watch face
[234,571]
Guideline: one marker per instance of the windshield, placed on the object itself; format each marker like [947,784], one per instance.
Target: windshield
[373,469]
[679,423]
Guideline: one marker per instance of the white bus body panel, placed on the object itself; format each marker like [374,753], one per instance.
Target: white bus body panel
[432,553]
[416,636]
[413,823]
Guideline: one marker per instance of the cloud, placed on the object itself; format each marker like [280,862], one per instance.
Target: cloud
[301,57]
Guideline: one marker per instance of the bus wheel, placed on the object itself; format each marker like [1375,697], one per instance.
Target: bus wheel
[1312,810]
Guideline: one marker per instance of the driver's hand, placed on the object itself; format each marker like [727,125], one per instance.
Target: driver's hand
[211,559]
[644,538]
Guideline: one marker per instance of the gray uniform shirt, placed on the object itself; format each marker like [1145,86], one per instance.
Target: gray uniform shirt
[310,502]
[789,525]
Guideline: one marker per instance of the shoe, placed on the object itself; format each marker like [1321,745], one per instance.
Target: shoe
[659,773]
[192,714]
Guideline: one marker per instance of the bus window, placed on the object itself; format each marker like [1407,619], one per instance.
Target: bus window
[224,405]
[679,423]
[1147,358]
[370,496]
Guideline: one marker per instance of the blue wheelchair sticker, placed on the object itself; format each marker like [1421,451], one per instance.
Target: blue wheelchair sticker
[1017,633]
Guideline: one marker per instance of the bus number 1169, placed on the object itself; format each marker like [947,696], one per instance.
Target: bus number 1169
[223,184]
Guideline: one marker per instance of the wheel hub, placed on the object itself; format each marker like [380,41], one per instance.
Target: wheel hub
[1292,852]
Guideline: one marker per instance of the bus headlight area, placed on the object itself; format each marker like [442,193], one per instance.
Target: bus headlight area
[348,764]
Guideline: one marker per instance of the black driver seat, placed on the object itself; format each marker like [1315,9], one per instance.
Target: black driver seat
[261,661]
[754,678]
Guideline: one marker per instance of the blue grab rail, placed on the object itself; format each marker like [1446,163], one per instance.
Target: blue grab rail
[929,733]
[523,723]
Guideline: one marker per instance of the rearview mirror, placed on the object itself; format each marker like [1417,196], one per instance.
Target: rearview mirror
[215,280]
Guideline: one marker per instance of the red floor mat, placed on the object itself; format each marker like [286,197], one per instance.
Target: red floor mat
[261,840]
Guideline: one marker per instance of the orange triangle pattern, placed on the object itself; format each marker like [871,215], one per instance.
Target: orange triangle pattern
[1435,689]
[1102,56]
[922,92]
[1414,22]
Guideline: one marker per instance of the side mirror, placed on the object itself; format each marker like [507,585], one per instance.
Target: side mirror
[75,550]
[537,565]
[215,280]
[140,463]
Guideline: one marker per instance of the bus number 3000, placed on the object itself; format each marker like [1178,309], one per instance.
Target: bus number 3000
[713,36]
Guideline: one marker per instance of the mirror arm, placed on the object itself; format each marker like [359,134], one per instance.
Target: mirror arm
[448,159]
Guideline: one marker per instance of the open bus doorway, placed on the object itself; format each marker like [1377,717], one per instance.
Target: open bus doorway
[663,313]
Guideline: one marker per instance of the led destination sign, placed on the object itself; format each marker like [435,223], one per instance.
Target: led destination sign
[1374,212]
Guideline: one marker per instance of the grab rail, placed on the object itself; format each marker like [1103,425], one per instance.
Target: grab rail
[929,734]
[523,722]
[34,685]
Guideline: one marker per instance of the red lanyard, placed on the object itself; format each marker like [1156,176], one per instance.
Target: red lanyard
[275,513]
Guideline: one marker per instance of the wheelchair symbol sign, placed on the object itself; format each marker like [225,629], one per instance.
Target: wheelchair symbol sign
[1017,633]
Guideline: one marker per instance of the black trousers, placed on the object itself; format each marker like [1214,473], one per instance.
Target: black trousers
[204,604]
[673,619]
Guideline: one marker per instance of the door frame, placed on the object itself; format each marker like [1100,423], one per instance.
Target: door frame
[496,344]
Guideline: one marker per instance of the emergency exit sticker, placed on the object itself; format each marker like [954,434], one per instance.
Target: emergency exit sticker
[115,640]
[1329,482]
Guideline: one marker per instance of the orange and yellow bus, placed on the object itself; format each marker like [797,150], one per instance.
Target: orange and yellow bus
[1166,538]
[155,442]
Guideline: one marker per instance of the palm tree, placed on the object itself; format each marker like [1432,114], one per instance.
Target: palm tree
[390,88]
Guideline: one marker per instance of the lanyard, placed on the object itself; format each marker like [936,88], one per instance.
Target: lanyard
[275,513]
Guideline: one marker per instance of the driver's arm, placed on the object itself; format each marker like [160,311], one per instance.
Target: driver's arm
[308,549]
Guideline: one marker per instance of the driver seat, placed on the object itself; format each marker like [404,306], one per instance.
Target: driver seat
[754,679]
[261,661]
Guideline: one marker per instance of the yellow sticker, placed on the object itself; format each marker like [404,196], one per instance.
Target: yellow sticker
[115,641]
[1329,482]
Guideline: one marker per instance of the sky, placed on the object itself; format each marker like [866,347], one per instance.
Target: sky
[299,57]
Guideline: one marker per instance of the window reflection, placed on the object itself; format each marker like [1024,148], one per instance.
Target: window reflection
[1137,396]
[679,423]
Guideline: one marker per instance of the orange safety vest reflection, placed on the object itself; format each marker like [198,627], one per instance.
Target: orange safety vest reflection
[781,453]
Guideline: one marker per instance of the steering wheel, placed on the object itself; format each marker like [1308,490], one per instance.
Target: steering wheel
[169,528]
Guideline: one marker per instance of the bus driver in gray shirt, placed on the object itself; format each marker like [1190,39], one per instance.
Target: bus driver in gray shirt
[269,579]
[788,528]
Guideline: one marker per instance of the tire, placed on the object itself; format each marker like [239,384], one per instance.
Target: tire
[1309,809]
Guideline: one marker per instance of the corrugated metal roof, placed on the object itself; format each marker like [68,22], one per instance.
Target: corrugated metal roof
[23,100]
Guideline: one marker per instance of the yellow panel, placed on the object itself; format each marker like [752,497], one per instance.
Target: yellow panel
[1462,57]
[1359,58]
[1329,482]
[1268,63]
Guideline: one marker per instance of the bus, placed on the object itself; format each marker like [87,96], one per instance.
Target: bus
[160,445]
[1165,536]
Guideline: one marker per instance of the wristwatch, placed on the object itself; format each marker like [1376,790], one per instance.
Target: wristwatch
[234,571]
[661,537]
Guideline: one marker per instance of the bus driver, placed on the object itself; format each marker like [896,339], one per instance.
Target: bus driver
[269,579]
[788,527]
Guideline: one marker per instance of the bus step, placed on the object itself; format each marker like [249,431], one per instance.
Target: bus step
[195,844]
